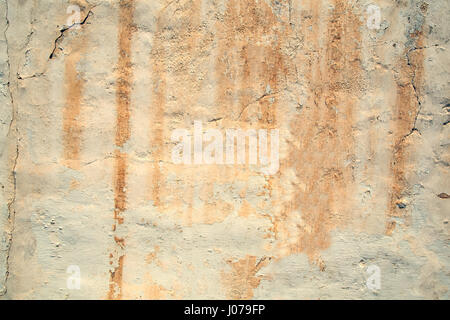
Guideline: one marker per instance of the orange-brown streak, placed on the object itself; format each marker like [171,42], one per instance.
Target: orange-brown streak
[71,113]
[326,139]
[123,93]
[120,196]
[254,31]
[409,83]
[125,72]
[116,281]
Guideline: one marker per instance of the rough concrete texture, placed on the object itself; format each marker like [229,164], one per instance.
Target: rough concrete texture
[87,179]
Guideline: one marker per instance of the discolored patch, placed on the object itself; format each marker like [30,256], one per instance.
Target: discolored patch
[321,152]
[115,283]
[74,84]
[409,81]
[152,255]
[124,76]
[115,287]
[250,64]
[182,33]
[124,79]
[155,291]
[242,280]
[120,183]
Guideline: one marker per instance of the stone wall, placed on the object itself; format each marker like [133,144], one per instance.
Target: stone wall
[93,91]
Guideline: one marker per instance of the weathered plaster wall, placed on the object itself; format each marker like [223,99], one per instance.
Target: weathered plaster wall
[87,177]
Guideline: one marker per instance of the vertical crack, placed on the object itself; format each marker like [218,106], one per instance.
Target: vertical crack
[416,94]
[12,130]
[413,84]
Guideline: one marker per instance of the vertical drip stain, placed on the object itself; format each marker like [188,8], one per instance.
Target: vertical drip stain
[409,85]
[322,155]
[158,107]
[124,78]
[123,92]
[72,128]
[186,33]
[224,75]
[120,196]
[115,283]
[256,67]
[251,75]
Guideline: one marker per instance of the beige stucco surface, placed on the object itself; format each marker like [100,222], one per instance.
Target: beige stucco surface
[87,180]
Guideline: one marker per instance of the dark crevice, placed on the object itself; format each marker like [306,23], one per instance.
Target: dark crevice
[37,75]
[265,95]
[61,35]
[416,94]
[12,126]
[413,83]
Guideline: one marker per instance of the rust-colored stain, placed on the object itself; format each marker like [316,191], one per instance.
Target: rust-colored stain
[120,241]
[322,152]
[409,86]
[72,128]
[155,291]
[185,33]
[253,67]
[151,257]
[390,227]
[244,69]
[250,65]
[115,283]
[124,71]
[250,72]
[241,281]
[120,183]
[123,92]
[115,286]
[171,35]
